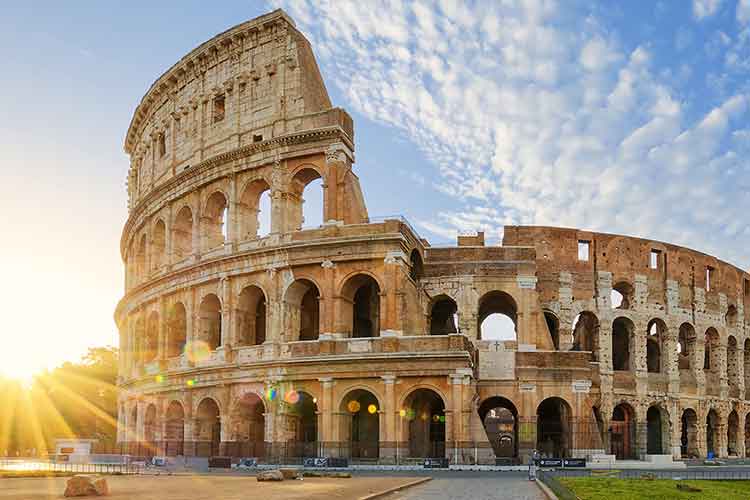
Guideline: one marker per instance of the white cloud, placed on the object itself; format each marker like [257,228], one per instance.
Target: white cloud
[743,11]
[705,8]
[535,118]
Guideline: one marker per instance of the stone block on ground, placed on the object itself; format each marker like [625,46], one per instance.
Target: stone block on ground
[85,485]
[270,475]
[289,473]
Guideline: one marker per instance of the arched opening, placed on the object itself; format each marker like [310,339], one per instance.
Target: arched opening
[622,339]
[746,360]
[685,346]
[656,333]
[149,431]
[302,300]
[586,334]
[207,428]
[553,326]
[139,341]
[140,259]
[255,210]
[158,245]
[133,426]
[657,431]
[497,317]
[176,330]
[733,369]
[443,316]
[361,424]
[733,424]
[424,417]
[689,434]
[251,316]
[731,317]
[500,419]
[712,432]
[361,295]
[213,221]
[416,268]
[182,234]
[151,344]
[747,435]
[622,295]
[553,428]
[210,321]
[622,432]
[303,409]
[711,351]
[248,423]
[307,203]
[174,430]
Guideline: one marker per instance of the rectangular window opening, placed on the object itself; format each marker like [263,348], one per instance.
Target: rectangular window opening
[655,259]
[709,277]
[258,138]
[747,287]
[219,108]
[162,146]
[583,250]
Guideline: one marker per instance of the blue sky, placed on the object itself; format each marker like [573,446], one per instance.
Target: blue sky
[629,117]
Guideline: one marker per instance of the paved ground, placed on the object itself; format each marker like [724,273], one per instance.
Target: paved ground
[206,487]
[473,486]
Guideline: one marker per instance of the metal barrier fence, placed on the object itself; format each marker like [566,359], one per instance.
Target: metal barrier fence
[36,464]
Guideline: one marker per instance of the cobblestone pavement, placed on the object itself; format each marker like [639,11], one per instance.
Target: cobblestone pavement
[484,487]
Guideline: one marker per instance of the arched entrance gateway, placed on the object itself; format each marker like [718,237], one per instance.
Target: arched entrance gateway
[207,428]
[302,409]
[657,431]
[712,433]
[174,430]
[500,419]
[553,417]
[149,431]
[247,427]
[423,422]
[622,432]
[360,425]
[689,434]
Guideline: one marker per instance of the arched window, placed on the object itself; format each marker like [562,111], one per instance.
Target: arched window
[213,222]
[656,333]
[711,351]
[586,333]
[361,295]
[731,316]
[622,339]
[416,269]
[443,316]
[152,338]
[302,300]
[210,321]
[140,259]
[252,316]
[177,330]
[553,326]
[255,210]
[733,369]
[307,206]
[622,295]
[685,346]
[158,245]
[497,316]
[182,234]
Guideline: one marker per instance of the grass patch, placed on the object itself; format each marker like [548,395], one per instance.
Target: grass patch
[588,488]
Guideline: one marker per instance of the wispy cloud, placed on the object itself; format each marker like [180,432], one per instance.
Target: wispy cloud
[535,116]
[705,8]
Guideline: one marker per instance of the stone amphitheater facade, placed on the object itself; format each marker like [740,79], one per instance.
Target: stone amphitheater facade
[357,338]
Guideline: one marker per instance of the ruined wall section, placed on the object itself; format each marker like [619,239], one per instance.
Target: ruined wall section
[252,83]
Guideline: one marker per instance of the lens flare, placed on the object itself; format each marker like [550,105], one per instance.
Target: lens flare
[292,397]
[190,382]
[271,393]
[372,409]
[402,413]
[197,351]
[353,406]
[159,379]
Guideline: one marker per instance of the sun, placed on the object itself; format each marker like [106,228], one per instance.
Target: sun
[19,369]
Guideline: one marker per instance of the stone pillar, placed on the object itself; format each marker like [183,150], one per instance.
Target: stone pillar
[390,412]
[641,430]
[197,226]
[721,446]
[671,361]
[741,434]
[325,406]
[162,334]
[233,224]
[168,243]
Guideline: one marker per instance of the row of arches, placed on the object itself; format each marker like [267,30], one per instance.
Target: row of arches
[361,296]
[189,233]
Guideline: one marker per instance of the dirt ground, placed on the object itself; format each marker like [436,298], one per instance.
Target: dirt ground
[206,487]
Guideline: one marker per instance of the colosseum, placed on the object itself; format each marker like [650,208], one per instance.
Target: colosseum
[356,338]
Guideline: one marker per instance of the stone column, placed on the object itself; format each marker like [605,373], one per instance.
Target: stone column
[197,226]
[325,406]
[641,431]
[722,445]
[741,433]
[162,334]
[232,215]
[390,412]
[675,427]
[168,243]
[721,357]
